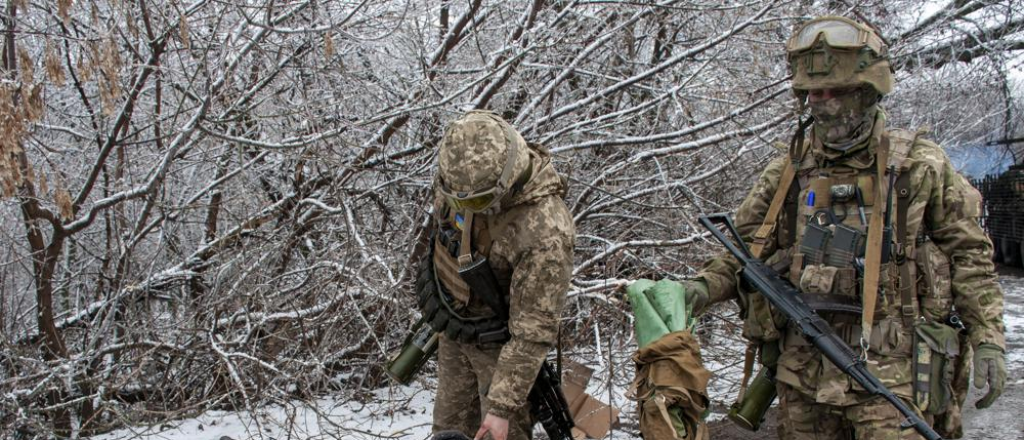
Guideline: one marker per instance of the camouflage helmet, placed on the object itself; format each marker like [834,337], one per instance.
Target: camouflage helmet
[835,52]
[481,158]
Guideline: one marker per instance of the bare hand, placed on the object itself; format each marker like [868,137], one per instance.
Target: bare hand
[497,426]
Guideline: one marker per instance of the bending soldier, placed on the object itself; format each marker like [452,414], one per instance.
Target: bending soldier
[502,251]
[881,236]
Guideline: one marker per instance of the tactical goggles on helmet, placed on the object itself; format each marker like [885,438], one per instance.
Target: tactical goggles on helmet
[477,201]
[836,32]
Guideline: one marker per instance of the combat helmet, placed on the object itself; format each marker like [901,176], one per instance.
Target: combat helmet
[481,160]
[833,52]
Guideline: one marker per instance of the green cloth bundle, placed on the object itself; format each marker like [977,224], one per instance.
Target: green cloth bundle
[671,381]
[659,308]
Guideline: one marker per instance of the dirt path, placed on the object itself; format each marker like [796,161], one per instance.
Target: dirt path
[1003,421]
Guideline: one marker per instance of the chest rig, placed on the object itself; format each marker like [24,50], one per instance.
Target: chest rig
[461,296]
[841,233]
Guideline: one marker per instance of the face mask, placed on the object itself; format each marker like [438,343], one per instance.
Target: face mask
[845,121]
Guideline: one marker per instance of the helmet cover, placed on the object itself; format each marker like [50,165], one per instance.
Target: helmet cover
[480,158]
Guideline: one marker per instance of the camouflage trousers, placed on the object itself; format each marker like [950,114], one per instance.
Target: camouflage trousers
[463,377]
[801,418]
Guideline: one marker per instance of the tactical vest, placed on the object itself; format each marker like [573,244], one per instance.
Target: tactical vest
[451,305]
[820,219]
[446,299]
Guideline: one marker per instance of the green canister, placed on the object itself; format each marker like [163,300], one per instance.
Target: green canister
[749,411]
[417,348]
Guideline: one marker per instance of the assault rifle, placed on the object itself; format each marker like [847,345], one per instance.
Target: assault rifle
[786,298]
[548,404]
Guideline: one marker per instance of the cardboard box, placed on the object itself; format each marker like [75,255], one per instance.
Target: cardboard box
[593,418]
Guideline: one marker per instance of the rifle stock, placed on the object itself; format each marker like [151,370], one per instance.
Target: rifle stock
[787,299]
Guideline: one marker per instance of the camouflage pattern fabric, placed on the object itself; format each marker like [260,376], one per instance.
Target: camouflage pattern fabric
[474,150]
[671,388]
[801,418]
[464,375]
[942,206]
[531,254]
[847,69]
[845,120]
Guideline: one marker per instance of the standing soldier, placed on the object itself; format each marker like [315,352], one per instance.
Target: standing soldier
[881,235]
[502,253]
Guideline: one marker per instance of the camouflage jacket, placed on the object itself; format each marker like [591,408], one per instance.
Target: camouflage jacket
[532,255]
[942,207]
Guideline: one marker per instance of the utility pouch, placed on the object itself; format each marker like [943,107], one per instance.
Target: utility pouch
[936,349]
[484,285]
[817,279]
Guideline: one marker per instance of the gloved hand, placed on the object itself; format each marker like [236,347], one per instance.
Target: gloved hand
[990,368]
[697,294]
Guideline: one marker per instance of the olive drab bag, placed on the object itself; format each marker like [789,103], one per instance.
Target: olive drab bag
[942,354]
[671,377]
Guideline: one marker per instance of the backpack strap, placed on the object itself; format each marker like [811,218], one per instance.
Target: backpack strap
[894,149]
[767,229]
[873,253]
[902,142]
[907,278]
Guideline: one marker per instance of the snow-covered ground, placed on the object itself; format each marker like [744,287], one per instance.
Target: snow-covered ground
[404,412]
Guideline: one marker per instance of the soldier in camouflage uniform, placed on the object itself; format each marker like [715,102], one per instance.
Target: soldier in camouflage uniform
[506,192]
[938,265]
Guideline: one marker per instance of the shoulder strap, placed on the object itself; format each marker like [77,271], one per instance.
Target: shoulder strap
[907,278]
[797,151]
[873,253]
[767,228]
[903,142]
[792,211]
[894,149]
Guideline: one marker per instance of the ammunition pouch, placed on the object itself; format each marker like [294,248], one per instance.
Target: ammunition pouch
[439,308]
[947,377]
[936,348]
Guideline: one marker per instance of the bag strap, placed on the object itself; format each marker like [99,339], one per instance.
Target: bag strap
[771,218]
[903,142]
[767,229]
[748,368]
[907,278]
[894,149]
[873,253]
